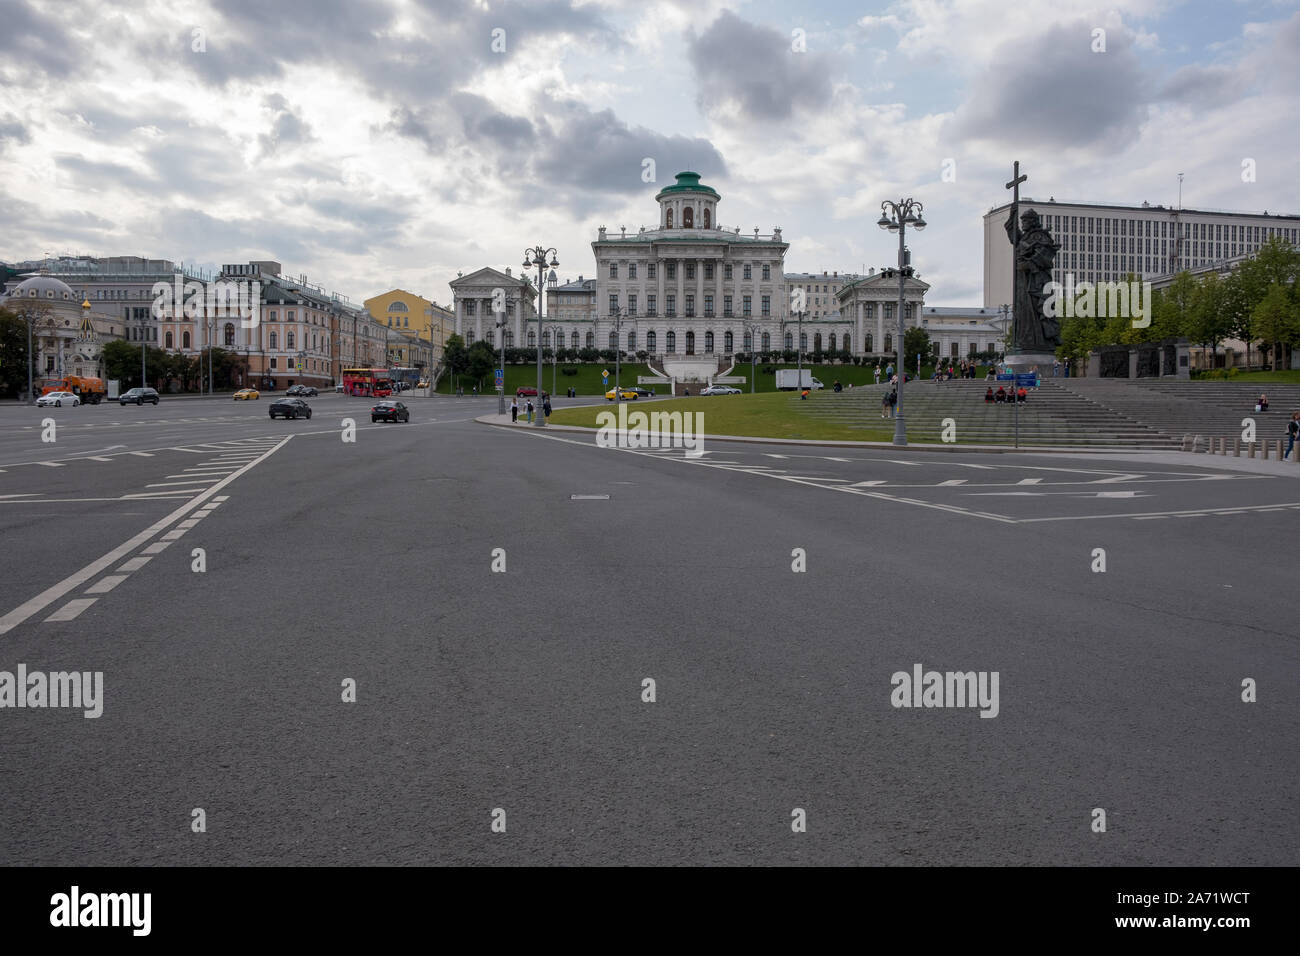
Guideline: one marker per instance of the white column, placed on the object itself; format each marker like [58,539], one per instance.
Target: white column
[858,327]
[460,311]
[880,326]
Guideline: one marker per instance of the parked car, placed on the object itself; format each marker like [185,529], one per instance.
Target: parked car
[628,395]
[423,384]
[301,391]
[138,396]
[530,391]
[339,388]
[390,412]
[290,408]
[720,390]
[58,399]
[247,394]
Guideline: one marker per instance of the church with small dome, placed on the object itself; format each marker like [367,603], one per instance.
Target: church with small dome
[67,335]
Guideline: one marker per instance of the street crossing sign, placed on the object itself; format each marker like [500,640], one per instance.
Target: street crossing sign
[501,377]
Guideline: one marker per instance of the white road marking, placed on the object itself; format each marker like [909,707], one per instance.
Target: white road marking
[173,535]
[71,609]
[817,478]
[135,564]
[1116,478]
[26,494]
[588,497]
[142,454]
[157,548]
[950,482]
[50,464]
[106,584]
[51,594]
[1029,481]
[97,458]
[193,481]
[869,484]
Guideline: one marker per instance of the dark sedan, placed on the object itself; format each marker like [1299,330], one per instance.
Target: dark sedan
[302,391]
[390,412]
[290,408]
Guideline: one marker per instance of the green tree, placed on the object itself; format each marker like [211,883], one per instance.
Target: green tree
[455,356]
[481,361]
[1171,313]
[13,354]
[1276,323]
[916,341]
[1275,263]
[1209,322]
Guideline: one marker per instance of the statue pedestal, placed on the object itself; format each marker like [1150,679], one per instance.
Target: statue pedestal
[1023,362]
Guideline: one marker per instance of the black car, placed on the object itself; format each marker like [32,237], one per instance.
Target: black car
[643,392]
[302,391]
[390,412]
[138,396]
[290,408]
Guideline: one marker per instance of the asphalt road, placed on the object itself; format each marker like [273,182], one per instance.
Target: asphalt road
[372,560]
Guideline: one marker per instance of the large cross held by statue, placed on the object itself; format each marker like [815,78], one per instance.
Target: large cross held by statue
[1014,185]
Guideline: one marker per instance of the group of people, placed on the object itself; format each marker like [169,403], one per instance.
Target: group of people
[1003,395]
[963,370]
[529,409]
[889,403]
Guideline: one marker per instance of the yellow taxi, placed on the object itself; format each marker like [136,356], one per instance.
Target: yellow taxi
[245,394]
[628,395]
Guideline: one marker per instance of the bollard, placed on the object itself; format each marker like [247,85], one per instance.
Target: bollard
[1267,445]
[1250,449]
[1236,447]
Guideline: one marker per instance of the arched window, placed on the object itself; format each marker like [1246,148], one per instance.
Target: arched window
[971,349]
[889,343]
[831,347]
[707,219]
[869,342]
[591,340]
[288,340]
[573,339]
[668,223]
[546,339]
[672,341]
[185,340]
[803,341]
[532,339]
[631,341]
[651,341]
[749,339]
[817,342]
[613,340]
[845,345]
[728,341]
[274,340]
[789,341]
[168,340]
[230,333]
[510,338]
[688,218]
[690,343]
[956,349]
[708,341]
[767,341]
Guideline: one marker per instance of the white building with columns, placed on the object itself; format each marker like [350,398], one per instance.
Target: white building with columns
[689,286]
[475,320]
[869,311]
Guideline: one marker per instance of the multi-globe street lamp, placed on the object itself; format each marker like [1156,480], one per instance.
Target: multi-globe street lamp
[751,330]
[555,332]
[536,256]
[501,338]
[896,217]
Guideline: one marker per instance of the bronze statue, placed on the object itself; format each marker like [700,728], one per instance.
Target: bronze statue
[1034,331]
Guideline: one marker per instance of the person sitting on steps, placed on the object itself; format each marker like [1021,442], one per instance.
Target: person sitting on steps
[988,395]
[1001,395]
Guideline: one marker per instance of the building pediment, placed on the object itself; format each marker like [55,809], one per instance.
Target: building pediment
[487,276]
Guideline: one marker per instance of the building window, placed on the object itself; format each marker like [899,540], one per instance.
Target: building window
[789,341]
[273,339]
[690,270]
[889,343]
[650,341]
[954,351]
[185,340]
[573,339]
[690,306]
[532,339]
[726,306]
[708,341]
[708,306]
[613,270]
[613,340]
[766,306]
[845,346]
[803,341]
[168,340]
[230,334]
[746,306]
[672,270]
[672,341]
[274,363]
[748,273]
[631,270]
[591,340]
[631,341]
[767,273]
[650,305]
[971,349]
[708,266]
[767,341]
[668,219]
[613,303]
[726,272]
[728,342]
[651,270]
[688,218]
[671,302]
[288,340]
[707,219]
[631,304]
[831,347]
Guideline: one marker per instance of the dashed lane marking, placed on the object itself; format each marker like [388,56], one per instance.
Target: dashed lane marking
[135,564]
[70,610]
[106,584]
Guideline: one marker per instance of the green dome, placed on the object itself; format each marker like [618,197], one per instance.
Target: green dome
[688,182]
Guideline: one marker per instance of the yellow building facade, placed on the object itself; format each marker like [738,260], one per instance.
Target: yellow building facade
[411,315]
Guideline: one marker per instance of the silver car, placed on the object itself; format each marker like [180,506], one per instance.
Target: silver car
[720,390]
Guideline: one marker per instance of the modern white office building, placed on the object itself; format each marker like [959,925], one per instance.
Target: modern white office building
[1102,242]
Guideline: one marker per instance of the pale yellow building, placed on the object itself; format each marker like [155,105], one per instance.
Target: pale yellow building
[415,316]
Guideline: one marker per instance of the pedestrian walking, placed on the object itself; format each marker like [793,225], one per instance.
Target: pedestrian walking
[546,406]
[893,403]
[884,404]
[1292,433]
[530,411]
[877,373]
[514,410]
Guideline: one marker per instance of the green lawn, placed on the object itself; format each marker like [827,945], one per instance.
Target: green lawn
[773,415]
[826,374]
[587,381]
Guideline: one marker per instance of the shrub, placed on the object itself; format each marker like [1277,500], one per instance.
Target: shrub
[568,371]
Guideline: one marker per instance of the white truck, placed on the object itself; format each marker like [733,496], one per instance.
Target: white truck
[789,380]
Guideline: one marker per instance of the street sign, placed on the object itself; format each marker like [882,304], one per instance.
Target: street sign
[501,378]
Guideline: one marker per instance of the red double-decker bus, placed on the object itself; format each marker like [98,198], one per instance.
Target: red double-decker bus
[368,382]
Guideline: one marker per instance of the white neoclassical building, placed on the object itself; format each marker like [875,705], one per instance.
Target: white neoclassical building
[689,286]
[475,320]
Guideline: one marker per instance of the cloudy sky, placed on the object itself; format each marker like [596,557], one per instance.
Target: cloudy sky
[374,143]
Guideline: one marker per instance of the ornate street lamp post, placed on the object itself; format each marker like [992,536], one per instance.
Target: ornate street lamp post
[895,217]
[536,256]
